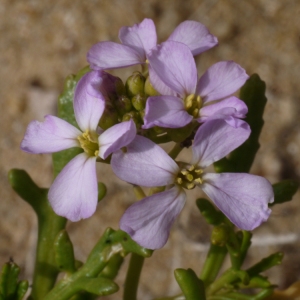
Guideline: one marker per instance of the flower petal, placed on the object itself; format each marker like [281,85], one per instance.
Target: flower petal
[144,163]
[110,55]
[52,135]
[165,111]
[116,137]
[221,80]
[74,192]
[174,63]
[215,139]
[229,107]
[149,221]
[158,84]
[89,102]
[141,37]
[243,198]
[195,35]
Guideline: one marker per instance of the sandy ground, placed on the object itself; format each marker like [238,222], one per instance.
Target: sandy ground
[44,41]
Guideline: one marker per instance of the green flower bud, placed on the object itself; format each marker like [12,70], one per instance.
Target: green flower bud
[109,117]
[220,235]
[139,101]
[123,104]
[178,135]
[120,87]
[135,116]
[149,89]
[135,84]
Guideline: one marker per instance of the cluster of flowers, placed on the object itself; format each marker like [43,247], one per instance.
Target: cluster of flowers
[124,123]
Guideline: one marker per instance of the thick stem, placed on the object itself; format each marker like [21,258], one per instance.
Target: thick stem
[132,277]
[213,263]
[45,273]
[175,150]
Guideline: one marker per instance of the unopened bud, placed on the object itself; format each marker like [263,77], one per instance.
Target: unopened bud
[135,116]
[135,84]
[109,117]
[123,104]
[139,102]
[120,87]
[149,89]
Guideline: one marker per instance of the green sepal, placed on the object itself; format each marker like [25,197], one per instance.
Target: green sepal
[22,289]
[64,252]
[66,112]
[101,191]
[209,212]
[26,188]
[265,264]
[10,288]
[241,159]
[98,286]
[284,191]
[135,84]
[112,268]
[191,286]
[178,135]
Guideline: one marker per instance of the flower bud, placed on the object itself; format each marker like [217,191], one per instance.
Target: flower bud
[135,116]
[149,89]
[135,84]
[119,87]
[139,101]
[123,104]
[109,117]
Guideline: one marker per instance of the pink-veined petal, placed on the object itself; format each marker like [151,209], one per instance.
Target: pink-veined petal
[165,111]
[144,163]
[174,63]
[110,55]
[141,37]
[116,137]
[158,84]
[243,198]
[52,135]
[89,102]
[221,80]
[195,35]
[74,192]
[229,107]
[149,221]
[215,139]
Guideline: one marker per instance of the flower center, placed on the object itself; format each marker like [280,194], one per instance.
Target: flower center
[192,104]
[89,143]
[189,177]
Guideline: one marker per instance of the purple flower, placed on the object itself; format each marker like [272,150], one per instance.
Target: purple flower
[139,39]
[173,74]
[74,192]
[243,198]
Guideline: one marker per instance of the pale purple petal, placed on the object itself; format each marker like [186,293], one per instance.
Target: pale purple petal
[158,84]
[140,36]
[174,63]
[215,139]
[149,221]
[229,107]
[110,55]
[89,102]
[195,35]
[165,111]
[144,163]
[221,80]
[52,135]
[74,192]
[243,198]
[116,137]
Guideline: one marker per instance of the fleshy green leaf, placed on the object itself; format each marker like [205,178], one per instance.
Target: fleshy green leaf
[284,191]
[209,212]
[191,286]
[241,159]
[98,286]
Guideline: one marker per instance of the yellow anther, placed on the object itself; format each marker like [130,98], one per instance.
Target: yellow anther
[189,101]
[198,171]
[189,177]
[191,168]
[96,153]
[179,180]
[190,186]
[184,172]
[199,101]
[199,180]
[88,142]
[195,113]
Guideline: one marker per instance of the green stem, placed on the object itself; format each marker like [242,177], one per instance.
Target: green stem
[45,272]
[213,263]
[176,150]
[138,192]
[132,277]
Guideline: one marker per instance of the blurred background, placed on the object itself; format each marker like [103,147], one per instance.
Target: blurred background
[44,41]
